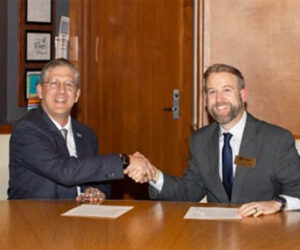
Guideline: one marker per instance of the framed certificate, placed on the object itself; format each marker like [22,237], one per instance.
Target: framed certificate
[39,11]
[38,46]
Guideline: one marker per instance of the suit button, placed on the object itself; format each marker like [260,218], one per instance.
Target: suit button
[111,175]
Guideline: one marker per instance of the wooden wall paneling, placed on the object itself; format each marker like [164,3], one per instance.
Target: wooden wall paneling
[261,38]
[139,51]
[5,129]
[80,28]
[297,137]
[199,66]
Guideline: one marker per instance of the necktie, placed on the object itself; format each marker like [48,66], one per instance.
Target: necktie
[64,132]
[227,164]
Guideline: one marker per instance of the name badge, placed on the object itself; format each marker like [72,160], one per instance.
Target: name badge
[244,161]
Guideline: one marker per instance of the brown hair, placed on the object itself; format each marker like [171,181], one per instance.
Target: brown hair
[218,68]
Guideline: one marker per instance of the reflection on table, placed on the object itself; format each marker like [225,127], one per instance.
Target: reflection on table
[149,225]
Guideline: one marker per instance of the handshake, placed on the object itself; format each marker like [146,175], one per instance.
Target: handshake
[140,169]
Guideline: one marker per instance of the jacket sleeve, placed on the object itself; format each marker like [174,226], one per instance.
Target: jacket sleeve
[288,165]
[187,188]
[32,148]
[103,186]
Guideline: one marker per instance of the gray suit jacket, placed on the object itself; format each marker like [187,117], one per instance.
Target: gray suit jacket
[277,168]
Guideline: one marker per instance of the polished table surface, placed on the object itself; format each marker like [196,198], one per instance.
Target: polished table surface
[149,225]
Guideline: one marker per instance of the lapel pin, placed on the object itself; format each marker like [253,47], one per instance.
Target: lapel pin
[79,135]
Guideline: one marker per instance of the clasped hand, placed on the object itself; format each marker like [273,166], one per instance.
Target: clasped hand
[91,195]
[140,169]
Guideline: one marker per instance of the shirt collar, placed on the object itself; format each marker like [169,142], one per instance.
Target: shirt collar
[238,129]
[67,126]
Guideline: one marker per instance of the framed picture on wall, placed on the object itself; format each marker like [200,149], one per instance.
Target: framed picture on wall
[39,11]
[32,77]
[38,46]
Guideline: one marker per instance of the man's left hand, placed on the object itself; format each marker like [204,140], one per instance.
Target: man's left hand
[91,195]
[259,208]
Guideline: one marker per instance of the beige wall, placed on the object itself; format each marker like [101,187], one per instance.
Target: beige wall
[4,141]
[262,39]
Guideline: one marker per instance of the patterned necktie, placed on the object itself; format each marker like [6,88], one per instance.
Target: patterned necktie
[64,132]
[227,164]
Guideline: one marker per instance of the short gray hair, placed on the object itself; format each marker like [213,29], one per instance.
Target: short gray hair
[56,63]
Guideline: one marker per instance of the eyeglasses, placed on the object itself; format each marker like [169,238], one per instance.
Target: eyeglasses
[68,85]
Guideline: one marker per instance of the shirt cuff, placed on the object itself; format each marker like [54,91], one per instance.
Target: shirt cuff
[160,182]
[292,202]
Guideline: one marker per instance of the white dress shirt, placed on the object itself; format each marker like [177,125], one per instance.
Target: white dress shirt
[235,142]
[70,141]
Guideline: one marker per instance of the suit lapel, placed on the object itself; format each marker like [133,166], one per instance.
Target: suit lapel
[247,148]
[213,156]
[51,126]
[53,130]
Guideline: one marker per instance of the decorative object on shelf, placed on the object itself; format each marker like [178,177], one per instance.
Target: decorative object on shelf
[32,79]
[62,40]
[33,103]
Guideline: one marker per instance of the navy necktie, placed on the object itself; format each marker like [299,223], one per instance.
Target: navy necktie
[227,164]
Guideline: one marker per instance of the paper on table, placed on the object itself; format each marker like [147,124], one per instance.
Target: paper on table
[103,211]
[212,213]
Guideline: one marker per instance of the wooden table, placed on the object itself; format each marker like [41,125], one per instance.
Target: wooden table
[149,225]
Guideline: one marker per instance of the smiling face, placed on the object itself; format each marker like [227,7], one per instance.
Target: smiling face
[58,100]
[224,99]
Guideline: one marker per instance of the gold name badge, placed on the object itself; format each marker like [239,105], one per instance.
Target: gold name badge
[244,161]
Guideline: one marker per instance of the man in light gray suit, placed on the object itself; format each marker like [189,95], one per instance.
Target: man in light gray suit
[257,165]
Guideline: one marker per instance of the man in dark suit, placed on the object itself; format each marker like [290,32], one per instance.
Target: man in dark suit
[237,159]
[52,156]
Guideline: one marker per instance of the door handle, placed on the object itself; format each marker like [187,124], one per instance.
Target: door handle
[96,49]
[170,109]
[175,108]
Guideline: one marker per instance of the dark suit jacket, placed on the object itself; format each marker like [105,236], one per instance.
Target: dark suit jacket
[277,169]
[40,166]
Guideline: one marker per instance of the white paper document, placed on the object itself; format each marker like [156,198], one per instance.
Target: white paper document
[212,213]
[103,211]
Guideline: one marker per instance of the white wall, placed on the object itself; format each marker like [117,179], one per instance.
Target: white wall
[4,149]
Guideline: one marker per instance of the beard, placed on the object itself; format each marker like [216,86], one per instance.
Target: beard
[234,111]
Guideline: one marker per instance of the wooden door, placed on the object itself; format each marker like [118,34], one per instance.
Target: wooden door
[134,53]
